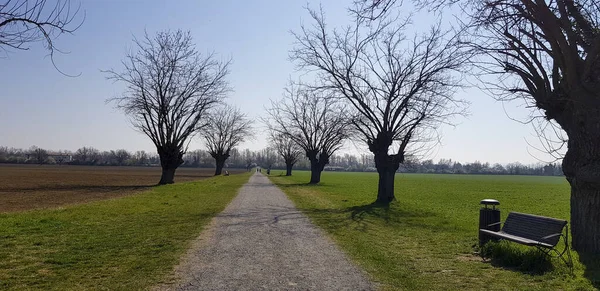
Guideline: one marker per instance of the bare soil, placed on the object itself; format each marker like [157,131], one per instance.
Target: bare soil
[27,187]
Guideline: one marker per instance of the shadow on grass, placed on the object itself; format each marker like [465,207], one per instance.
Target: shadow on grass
[592,268]
[379,210]
[299,185]
[505,255]
[363,217]
[304,185]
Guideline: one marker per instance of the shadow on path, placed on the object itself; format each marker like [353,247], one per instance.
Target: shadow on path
[364,217]
[358,213]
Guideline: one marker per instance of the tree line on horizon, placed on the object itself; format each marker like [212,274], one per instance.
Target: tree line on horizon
[265,158]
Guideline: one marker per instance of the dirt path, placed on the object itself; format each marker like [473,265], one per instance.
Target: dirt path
[262,242]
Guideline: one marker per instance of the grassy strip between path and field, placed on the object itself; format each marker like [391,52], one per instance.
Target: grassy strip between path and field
[425,240]
[130,243]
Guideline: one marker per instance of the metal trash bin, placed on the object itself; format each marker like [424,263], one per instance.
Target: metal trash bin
[488,214]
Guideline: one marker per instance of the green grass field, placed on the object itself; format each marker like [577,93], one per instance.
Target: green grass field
[130,243]
[426,239]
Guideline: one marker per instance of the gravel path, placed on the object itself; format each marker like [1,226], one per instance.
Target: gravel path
[262,242]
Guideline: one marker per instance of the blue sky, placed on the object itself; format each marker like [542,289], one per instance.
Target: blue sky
[44,108]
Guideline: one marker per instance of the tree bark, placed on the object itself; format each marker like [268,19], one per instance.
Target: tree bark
[385,191]
[386,165]
[288,169]
[167,176]
[578,114]
[171,158]
[220,163]
[315,172]
[585,215]
[220,159]
[317,164]
[581,166]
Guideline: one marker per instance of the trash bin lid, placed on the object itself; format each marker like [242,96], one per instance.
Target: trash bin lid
[489,202]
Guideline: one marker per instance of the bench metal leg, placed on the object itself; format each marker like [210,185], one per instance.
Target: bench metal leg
[561,254]
[567,250]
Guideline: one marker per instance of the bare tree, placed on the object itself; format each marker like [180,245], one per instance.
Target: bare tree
[140,158]
[287,149]
[317,124]
[27,21]
[373,9]
[120,156]
[170,87]
[267,157]
[87,156]
[249,158]
[227,127]
[547,53]
[401,89]
[39,155]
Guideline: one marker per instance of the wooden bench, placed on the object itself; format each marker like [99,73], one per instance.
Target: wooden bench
[541,232]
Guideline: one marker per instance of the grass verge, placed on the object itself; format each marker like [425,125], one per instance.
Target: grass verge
[131,243]
[426,240]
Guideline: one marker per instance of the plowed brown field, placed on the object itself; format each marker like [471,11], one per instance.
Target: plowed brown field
[26,187]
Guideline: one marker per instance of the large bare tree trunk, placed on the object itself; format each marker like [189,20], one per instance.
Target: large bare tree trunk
[170,159]
[386,165]
[315,172]
[288,169]
[317,164]
[167,176]
[220,158]
[385,191]
[585,217]
[220,163]
[581,166]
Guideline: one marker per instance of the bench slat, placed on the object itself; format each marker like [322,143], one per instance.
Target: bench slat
[521,240]
[533,227]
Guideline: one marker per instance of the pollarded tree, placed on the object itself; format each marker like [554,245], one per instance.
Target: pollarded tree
[287,149]
[548,54]
[401,89]
[227,127]
[27,21]
[318,124]
[170,87]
